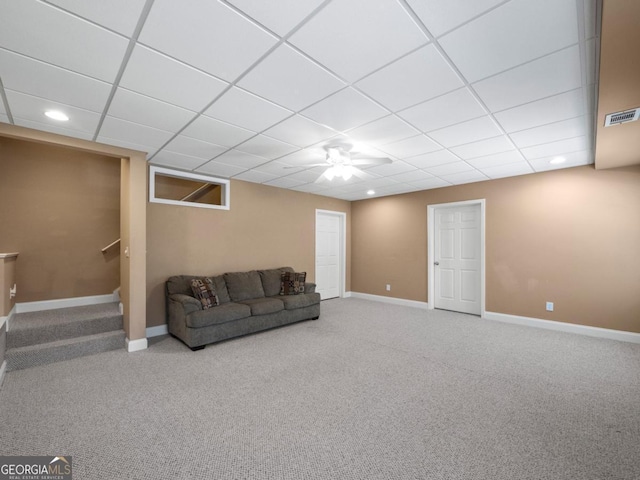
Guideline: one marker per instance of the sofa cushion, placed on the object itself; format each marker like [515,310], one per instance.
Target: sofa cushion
[291,302]
[264,306]
[292,283]
[181,284]
[243,285]
[204,290]
[227,312]
[271,280]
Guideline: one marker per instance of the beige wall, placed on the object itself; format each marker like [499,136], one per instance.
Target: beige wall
[58,208]
[265,227]
[569,236]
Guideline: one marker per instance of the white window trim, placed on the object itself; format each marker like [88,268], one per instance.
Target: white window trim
[226,186]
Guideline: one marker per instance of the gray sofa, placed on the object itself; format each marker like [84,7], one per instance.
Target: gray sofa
[249,302]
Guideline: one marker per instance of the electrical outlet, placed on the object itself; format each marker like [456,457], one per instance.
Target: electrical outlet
[549,306]
[388,287]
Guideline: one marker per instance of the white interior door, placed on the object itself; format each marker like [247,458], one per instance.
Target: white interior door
[328,254]
[457,260]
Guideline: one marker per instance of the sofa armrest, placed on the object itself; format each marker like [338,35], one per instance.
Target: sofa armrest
[189,304]
[309,287]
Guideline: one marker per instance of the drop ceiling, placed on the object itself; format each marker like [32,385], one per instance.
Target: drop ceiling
[453,91]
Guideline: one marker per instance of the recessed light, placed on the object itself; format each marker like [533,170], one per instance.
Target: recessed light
[371,192]
[557,160]
[56,115]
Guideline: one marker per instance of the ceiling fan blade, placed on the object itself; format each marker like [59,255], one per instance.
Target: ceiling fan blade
[370,161]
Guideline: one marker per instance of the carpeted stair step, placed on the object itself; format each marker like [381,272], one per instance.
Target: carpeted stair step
[44,353]
[35,328]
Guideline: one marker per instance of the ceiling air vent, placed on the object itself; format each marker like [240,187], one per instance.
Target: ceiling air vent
[622,117]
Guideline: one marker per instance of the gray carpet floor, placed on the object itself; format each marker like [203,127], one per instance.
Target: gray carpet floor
[369,391]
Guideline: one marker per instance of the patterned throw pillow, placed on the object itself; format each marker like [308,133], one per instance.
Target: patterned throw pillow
[292,283]
[204,291]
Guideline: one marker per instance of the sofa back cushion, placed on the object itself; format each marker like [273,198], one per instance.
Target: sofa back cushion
[271,280]
[243,285]
[182,284]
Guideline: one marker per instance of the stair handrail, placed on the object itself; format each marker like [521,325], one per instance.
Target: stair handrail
[201,190]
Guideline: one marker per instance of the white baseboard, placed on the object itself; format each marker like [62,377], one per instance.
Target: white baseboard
[157,330]
[392,300]
[619,335]
[65,303]
[3,370]
[136,345]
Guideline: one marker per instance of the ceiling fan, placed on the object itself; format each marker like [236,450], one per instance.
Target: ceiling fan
[342,163]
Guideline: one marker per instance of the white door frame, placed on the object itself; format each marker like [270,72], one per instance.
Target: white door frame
[431,209]
[342,217]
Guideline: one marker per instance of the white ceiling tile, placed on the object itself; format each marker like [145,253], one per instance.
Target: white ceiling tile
[176,160]
[310,188]
[53,38]
[158,76]
[150,150]
[27,107]
[574,127]
[306,176]
[291,80]
[300,131]
[284,182]
[454,107]
[574,159]
[344,110]
[134,133]
[465,177]
[412,176]
[385,130]
[3,117]
[440,16]
[510,170]
[428,183]
[45,127]
[514,33]
[220,169]
[495,160]
[410,147]
[305,156]
[394,168]
[466,132]
[26,75]
[133,107]
[449,169]
[240,159]
[352,43]
[246,110]
[194,148]
[254,176]
[422,75]
[280,16]
[432,159]
[550,75]
[484,147]
[214,131]
[556,148]
[119,15]
[200,32]
[278,169]
[266,147]
[552,109]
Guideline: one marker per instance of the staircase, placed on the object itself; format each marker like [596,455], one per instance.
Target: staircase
[39,338]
